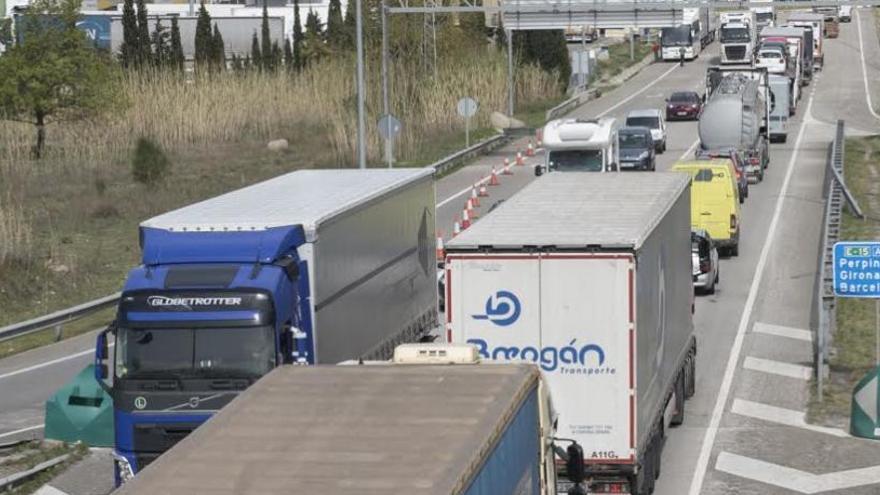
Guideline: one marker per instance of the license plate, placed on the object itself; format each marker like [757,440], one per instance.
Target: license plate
[627,165]
[682,114]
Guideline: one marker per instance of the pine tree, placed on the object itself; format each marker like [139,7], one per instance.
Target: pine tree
[298,38]
[218,49]
[350,25]
[204,38]
[288,56]
[176,48]
[547,49]
[161,50]
[335,25]
[266,42]
[128,53]
[143,39]
[256,58]
[314,48]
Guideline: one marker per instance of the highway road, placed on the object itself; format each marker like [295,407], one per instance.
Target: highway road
[744,430]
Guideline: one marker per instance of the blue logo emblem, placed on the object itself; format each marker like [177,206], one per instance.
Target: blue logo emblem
[502,309]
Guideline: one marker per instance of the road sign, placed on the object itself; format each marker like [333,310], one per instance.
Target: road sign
[467,107]
[389,126]
[857,269]
[863,419]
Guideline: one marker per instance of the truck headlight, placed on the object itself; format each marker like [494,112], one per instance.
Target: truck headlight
[123,467]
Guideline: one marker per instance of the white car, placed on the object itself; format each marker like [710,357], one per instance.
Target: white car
[844,13]
[653,120]
[773,60]
[704,257]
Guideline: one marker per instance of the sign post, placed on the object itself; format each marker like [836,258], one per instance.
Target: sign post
[857,274]
[467,107]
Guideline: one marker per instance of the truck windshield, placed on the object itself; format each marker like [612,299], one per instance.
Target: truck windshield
[576,160]
[734,34]
[762,17]
[676,36]
[247,352]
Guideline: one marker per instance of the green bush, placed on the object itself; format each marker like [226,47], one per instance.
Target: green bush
[150,165]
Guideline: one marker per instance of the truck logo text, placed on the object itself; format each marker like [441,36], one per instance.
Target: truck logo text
[502,309]
[189,302]
[570,359]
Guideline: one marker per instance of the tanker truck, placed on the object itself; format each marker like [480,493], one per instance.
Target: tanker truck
[736,116]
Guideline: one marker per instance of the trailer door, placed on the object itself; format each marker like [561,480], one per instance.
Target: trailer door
[587,345]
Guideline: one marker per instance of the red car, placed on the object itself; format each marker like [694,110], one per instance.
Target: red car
[684,105]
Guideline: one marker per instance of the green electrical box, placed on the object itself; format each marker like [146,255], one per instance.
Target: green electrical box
[81,411]
[863,420]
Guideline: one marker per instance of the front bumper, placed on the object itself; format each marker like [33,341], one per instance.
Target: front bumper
[686,114]
[702,281]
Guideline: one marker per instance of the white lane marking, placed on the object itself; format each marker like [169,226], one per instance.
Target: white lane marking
[49,363]
[782,416]
[479,183]
[23,430]
[49,490]
[690,150]
[781,331]
[637,93]
[864,67]
[795,479]
[736,349]
[778,368]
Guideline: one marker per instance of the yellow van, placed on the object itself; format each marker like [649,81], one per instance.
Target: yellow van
[714,200]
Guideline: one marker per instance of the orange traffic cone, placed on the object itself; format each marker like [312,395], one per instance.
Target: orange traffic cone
[483,191]
[465,219]
[530,151]
[505,170]
[519,159]
[469,207]
[456,229]
[493,179]
[441,252]
[475,198]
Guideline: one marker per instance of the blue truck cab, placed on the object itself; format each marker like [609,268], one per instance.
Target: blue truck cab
[288,271]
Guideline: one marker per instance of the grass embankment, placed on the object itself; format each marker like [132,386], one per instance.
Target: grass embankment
[68,223]
[28,455]
[854,339]
[619,60]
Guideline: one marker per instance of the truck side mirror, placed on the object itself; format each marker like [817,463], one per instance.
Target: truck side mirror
[539,170]
[574,464]
[102,352]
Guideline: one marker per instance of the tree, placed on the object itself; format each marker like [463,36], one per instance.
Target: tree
[143,38]
[266,42]
[161,48]
[314,48]
[298,38]
[129,52]
[335,25]
[219,49]
[150,164]
[256,56]
[545,48]
[56,75]
[5,32]
[276,55]
[288,56]
[350,25]
[204,38]
[473,24]
[177,58]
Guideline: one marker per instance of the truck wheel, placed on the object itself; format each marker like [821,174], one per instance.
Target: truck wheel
[678,417]
[734,250]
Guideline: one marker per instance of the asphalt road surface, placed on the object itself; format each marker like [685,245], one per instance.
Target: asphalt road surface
[744,431]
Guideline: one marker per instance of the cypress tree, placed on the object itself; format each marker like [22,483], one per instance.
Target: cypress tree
[314,48]
[143,39]
[298,38]
[128,54]
[266,42]
[288,56]
[335,25]
[161,51]
[204,38]
[256,56]
[349,23]
[313,24]
[176,48]
[276,55]
[218,49]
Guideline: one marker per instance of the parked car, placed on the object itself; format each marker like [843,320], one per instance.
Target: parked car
[714,201]
[706,266]
[636,149]
[844,13]
[653,120]
[738,168]
[684,105]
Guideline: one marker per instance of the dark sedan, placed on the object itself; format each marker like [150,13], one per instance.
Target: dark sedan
[684,105]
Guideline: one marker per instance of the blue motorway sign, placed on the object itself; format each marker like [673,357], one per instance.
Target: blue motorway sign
[857,269]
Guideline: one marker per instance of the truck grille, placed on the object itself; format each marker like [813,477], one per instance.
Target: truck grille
[735,52]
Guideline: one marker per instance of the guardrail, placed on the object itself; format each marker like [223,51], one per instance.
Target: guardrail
[571,103]
[825,301]
[58,318]
[8,482]
[485,146]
